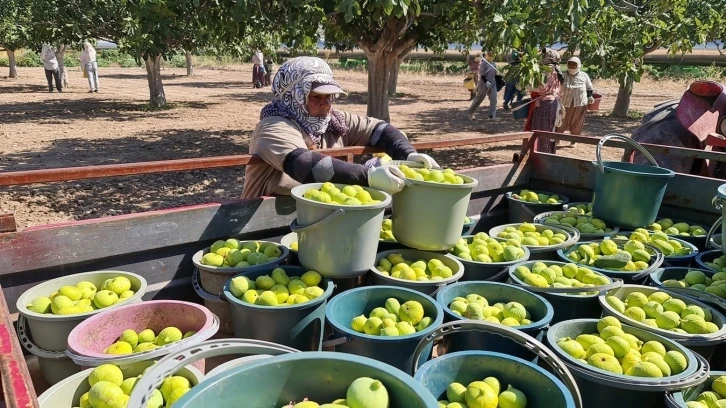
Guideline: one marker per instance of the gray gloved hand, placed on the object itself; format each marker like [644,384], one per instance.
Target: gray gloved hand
[386,178]
[424,159]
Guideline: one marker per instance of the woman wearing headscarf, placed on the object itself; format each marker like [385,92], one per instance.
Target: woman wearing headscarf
[89,64]
[301,119]
[545,111]
[50,64]
[258,69]
[576,95]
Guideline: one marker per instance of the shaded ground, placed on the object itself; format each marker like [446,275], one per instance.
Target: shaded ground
[213,114]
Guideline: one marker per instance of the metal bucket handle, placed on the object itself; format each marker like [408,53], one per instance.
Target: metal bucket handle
[23,334]
[145,386]
[297,228]
[522,339]
[641,149]
[715,225]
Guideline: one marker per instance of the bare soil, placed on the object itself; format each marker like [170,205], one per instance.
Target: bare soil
[214,113]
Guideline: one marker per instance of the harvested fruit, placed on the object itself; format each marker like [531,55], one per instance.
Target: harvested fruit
[660,240]
[109,388]
[537,198]
[487,393]
[277,289]
[146,340]
[583,223]
[396,267]
[393,319]
[612,349]
[680,229]
[294,246]
[83,297]
[527,234]
[483,248]
[713,396]
[718,264]
[348,195]
[581,208]
[387,229]
[553,275]
[694,279]
[238,254]
[611,255]
[364,392]
[660,310]
[477,307]
[445,176]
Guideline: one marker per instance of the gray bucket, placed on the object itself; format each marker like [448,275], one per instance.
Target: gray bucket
[540,219]
[335,240]
[287,241]
[491,271]
[678,399]
[661,275]
[545,253]
[220,307]
[427,287]
[524,211]
[671,260]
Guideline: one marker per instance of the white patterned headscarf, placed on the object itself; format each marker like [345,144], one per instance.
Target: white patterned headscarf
[291,87]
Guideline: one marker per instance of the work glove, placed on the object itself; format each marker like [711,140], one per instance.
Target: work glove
[386,178]
[590,100]
[424,159]
[489,85]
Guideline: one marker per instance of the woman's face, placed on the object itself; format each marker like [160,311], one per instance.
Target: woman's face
[319,105]
[571,65]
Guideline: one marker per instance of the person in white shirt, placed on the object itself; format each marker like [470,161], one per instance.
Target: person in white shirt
[89,64]
[50,63]
[258,70]
[576,95]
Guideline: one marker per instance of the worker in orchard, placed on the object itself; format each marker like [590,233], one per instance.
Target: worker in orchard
[301,119]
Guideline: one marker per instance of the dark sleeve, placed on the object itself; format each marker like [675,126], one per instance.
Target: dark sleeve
[309,166]
[589,93]
[392,141]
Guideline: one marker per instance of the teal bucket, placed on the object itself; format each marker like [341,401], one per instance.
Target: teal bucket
[275,381]
[678,399]
[540,310]
[663,274]
[396,351]
[298,326]
[604,389]
[637,187]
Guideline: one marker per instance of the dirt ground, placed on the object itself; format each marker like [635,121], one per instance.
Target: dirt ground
[214,113]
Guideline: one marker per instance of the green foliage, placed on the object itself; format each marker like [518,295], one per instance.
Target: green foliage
[28,58]
[14,25]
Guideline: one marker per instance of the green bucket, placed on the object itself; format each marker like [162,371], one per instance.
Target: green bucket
[678,399]
[636,187]
[338,241]
[487,271]
[396,351]
[427,287]
[275,381]
[298,326]
[549,252]
[540,310]
[604,389]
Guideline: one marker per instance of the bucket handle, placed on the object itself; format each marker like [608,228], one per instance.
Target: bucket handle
[522,339]
[332,342]
[297,228]
[715,225]
[23,334]
[200,290]
[170,364]
[641,149]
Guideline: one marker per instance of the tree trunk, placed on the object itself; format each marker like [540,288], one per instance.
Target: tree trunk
[60,55]
[393,77]
[380,66]
[622,103]
[157,98]
[190,67]
[11,64]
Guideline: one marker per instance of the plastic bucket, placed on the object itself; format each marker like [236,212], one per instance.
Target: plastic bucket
[544,253]
[540,310]
[540,219]
[656,261]
[298,326]
[522,112]
[703,344]
[288,240]
[567,304]
[677,260]
[637,187]
[524,211]
[89,339]
[698,241]
[275,381]
[492,271]
[707,257]
[678,399]
[428,216]
[661,275]
[335,240]
[600,388]
[396,351]
[55,366]
[595,105]
[427,287]
[218,306]
[68,392]
[213,278]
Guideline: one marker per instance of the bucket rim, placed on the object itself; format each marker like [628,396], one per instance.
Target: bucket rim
[608,166]
[705,254]
[455,277]
[562,253]
[227,293]
[288,239]
[504,264]
[658,273]
[677,396]
[495,231]
[622,378]
[693,248]
[50,317]
[467,184]
[565,199]
[298,191]
[721,191]
[383,339]
[422,371]
[525,285]
[539,324]
[226,270]
[688,339]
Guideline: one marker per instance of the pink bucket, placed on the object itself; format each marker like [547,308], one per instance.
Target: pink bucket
[91,337]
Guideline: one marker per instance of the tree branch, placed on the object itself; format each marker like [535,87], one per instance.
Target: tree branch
[652,47]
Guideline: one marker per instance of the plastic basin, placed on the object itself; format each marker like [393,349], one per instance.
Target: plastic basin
[600,388]
[396,351]
[677,260]
[549,252]
[335,240]
[524,211]
[298,326]
[287,241]
[540,219]
[427,287]
[218,306]
[541,388]
[487,271]
[678,399]
[656,260]
[708,256]
[663,274]
[540,310]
